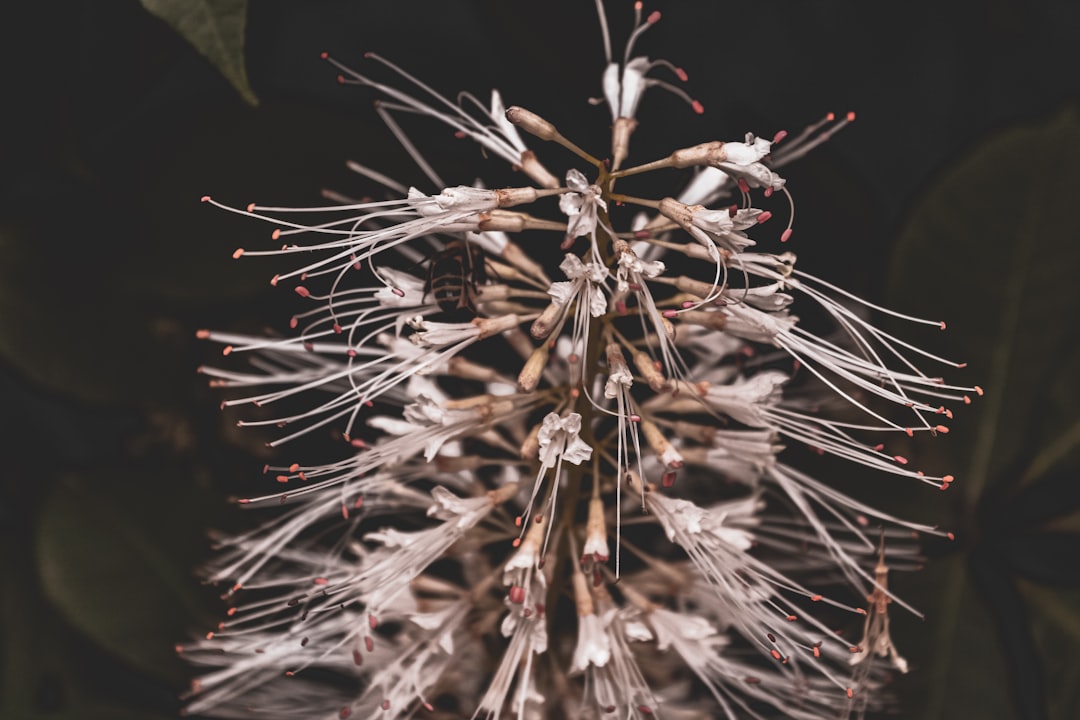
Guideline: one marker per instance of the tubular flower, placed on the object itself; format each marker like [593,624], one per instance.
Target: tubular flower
[564,498]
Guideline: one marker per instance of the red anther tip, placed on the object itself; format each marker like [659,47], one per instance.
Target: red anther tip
[654,17]
[641,234]
[900,459]
[697,107]
[302,291]
[324,55]
[850,693]
[344,712]
[273,280]
[779,136]
[909,432]
[792,618]
[202,334]
[227,350]
[681,74]
[961,366]
[942,324]
[775,653]
[516,543]
[341,79]
[237,253]
[294,467]
[517,594]
[204,198]
[368,55]
[786,235]
[251,207]
[385,704]
[687,304]
[851,117]
[967,400]
[815,598]
[321,581]
[764,216]
[942,429]
[283,478]
[947,479]
[670,314]
[830,117]
[950,536]
[978,391]
[768,192]
[275,235]
[744,186]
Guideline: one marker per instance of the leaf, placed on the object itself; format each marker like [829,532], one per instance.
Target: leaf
[216,29]
[116,558]
[992,248]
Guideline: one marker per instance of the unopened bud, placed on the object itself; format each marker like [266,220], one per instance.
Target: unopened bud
[530,449]
[468,403]
[531,123]
[710,153]
[543,325]
[660,444]
[494,326]
[648,370]
[469,370]
[504,493]
[711,320]
[509,197]
[529,376]
[697,288]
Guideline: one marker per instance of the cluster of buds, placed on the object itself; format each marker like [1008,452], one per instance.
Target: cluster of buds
[569,497]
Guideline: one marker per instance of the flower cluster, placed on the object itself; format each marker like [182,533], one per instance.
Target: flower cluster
[565,490]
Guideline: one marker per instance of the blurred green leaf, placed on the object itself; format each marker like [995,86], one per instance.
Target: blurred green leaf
[116,558]
[993,248]
[216,29]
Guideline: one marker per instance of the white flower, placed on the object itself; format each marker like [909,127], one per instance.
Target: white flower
[593,647]
[585,284]
[559,441]
[581,206]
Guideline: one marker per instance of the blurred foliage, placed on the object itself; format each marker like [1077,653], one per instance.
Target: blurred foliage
[216,29]
[997,239]
[117,461]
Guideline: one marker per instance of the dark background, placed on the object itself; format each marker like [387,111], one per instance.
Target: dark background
[952,195]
